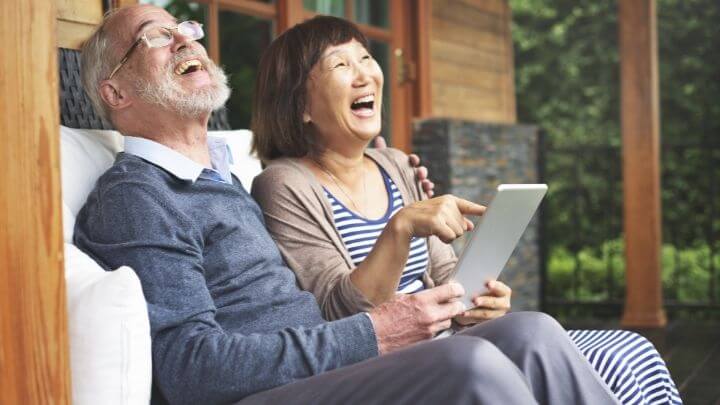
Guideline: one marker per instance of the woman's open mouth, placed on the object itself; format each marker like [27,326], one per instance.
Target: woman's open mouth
[364,106]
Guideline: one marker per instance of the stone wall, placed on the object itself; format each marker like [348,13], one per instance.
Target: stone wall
[469,160]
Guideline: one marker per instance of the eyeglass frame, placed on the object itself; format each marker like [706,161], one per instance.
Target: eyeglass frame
[147,43]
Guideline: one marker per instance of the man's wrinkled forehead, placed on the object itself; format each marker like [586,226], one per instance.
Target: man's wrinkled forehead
[129,23]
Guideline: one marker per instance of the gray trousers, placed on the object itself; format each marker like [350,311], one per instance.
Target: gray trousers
[520,358]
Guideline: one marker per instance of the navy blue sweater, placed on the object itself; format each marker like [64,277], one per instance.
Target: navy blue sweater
[227,317]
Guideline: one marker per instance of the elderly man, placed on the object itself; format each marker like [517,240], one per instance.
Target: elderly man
[228,321]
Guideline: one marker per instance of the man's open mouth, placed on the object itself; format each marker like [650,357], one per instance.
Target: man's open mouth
[188,66]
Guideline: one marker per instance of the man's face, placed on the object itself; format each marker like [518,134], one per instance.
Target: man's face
[179,76]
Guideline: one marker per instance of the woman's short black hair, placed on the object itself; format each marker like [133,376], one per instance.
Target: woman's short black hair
[281,85]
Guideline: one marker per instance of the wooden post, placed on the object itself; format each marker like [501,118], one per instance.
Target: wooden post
[34,359]
[641,163]
[422,31]
[289,12]
[400,57]
[213,21]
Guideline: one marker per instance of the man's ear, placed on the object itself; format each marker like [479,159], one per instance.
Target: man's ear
[113,95]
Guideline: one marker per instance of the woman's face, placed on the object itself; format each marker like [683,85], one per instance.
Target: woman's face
[344,94]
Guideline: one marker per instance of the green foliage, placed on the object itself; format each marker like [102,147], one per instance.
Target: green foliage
[591,275]
[688,35]
[567,81]
[601,273]
[242,41]
[567,68]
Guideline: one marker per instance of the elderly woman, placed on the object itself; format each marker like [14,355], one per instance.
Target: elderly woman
[351,222]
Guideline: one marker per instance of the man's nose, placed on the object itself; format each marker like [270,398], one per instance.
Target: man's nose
[180,41]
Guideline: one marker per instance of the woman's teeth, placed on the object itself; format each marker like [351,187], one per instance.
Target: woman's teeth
[364,102]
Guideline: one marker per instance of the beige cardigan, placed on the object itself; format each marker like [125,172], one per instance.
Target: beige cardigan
[300,219]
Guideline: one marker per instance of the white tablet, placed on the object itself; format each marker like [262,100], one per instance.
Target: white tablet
[495,236]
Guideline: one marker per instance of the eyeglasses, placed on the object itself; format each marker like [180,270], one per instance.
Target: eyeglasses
[159,36]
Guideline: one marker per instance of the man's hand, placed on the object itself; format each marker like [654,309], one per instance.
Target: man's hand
[408,319]
[493,304]
[442,216]
[421,172]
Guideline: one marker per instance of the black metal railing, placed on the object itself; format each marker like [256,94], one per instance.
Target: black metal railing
[582,247]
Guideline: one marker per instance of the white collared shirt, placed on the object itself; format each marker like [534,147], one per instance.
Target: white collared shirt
[180,165]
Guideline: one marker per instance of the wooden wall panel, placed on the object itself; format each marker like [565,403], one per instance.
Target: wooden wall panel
[83,11]
[34,358]
[72,34]
[471,61]
[76,20]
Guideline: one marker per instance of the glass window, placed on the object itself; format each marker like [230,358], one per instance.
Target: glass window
[242,40]
[327,7]
[184,10]
[381,52]
[372,12]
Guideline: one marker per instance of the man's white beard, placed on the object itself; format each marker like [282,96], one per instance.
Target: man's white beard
[168,93]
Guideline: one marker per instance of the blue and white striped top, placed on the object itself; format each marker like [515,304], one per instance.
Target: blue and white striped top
[360,234]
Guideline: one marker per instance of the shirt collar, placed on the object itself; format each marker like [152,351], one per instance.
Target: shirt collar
[178,164]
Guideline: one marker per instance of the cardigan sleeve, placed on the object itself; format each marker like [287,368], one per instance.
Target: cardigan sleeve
[442,255]
[295,218]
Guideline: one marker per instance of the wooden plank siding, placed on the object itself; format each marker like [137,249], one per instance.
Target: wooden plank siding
[76,20]
[471,64]
[34,358]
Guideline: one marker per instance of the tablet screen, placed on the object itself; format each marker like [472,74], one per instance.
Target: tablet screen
[495,236]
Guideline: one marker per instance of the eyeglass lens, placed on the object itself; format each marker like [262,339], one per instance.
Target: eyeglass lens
[161,36]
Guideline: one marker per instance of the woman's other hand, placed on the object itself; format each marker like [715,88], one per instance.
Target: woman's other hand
[493,304]
[442,216]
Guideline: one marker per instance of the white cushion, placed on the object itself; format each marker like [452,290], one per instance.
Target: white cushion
[245,166]
[109,332]
[68,223]
[85,154]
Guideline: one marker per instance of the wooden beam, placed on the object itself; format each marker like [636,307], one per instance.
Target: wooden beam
[123,3]
[508,83]
[422,31]
[290,12]
[34,358]
[376,33]
[213,22]
[249,7]
[350,10]
[400,85]
[641,163]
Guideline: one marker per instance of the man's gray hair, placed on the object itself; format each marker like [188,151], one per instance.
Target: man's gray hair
[96,63]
